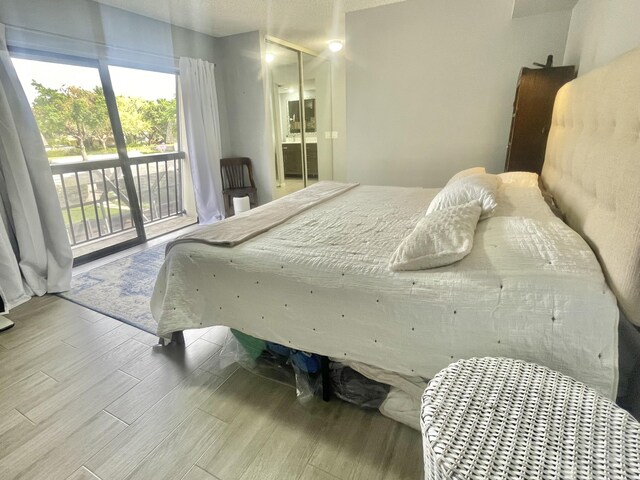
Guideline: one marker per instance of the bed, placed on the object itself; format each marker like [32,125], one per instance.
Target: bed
[533,288]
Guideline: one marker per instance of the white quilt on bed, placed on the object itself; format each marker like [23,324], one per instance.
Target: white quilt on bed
[530,289]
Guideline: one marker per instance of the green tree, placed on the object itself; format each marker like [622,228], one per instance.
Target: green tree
[134,125]
[160,116]
[70,112]
[102,130]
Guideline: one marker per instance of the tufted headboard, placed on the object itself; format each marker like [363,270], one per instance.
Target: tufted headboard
[592,168]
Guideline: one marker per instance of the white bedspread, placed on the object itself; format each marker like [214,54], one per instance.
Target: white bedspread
[530,289]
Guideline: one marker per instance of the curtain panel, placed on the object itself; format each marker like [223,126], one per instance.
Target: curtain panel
[35,256]
[200,109]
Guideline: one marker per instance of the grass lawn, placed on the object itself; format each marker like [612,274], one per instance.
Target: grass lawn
[141,149]
[90,213]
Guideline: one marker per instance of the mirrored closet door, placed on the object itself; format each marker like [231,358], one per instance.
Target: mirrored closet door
[300,88]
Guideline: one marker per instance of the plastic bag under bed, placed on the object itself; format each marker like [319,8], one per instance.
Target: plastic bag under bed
[353,387]
[273,361]
[299,369]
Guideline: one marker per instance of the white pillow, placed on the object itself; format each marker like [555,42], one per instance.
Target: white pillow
[481,187]
[519,179]
[466,173]
[440,238]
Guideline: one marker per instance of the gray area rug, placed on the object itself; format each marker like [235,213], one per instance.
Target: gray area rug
[121,289]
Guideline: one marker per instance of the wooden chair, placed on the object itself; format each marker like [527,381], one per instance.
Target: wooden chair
[232,171]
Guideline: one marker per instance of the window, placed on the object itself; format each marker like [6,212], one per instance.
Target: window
[148,109]
[89,114]
[70,109]
[149,117]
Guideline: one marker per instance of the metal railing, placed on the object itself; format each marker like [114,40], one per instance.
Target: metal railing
[94,200]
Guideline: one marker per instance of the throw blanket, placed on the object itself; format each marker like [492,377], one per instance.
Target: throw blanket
[240,228]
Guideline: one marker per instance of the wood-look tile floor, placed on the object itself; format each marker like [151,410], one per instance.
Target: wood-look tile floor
[292,185]
[83,396]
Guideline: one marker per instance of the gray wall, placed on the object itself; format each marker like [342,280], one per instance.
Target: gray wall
[600,31]
[242,72]
[430,85]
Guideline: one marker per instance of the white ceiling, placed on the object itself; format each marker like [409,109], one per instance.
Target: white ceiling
[309,23]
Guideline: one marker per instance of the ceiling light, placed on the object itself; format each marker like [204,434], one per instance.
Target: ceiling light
[335,45]
[291,90]
[269,57]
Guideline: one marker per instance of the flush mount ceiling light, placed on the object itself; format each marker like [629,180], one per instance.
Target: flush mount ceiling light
[335,45]
[269,57]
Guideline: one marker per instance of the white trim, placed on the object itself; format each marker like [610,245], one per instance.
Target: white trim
[289,45]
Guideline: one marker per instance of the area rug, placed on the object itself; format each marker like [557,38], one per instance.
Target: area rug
[121,289]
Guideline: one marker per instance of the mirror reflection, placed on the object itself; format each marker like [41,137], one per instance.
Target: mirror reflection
[301,136]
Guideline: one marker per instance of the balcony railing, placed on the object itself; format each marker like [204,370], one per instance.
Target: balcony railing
[94,200]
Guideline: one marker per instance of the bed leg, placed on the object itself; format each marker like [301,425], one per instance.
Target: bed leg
[178,338]
[326,378]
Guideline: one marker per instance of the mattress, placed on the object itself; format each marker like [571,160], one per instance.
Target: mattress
[530,289]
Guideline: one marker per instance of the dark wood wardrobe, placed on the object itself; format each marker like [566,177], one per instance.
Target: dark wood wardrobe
[532,108]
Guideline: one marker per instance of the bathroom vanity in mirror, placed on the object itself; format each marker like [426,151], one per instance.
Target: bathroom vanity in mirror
[292,156]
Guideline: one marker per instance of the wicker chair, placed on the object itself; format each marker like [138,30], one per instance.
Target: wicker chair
[496,418]
[232,171]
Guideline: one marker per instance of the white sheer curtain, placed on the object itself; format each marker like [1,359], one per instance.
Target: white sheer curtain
[200,108]
[35,256]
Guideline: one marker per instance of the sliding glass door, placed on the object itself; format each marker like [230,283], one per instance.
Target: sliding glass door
[147,103]
[111,137]
[301,117]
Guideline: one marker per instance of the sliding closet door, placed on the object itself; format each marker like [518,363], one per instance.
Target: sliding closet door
[301,99]
[316,75]
[287,121]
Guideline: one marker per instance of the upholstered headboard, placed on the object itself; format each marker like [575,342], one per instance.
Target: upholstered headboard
[592,168]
